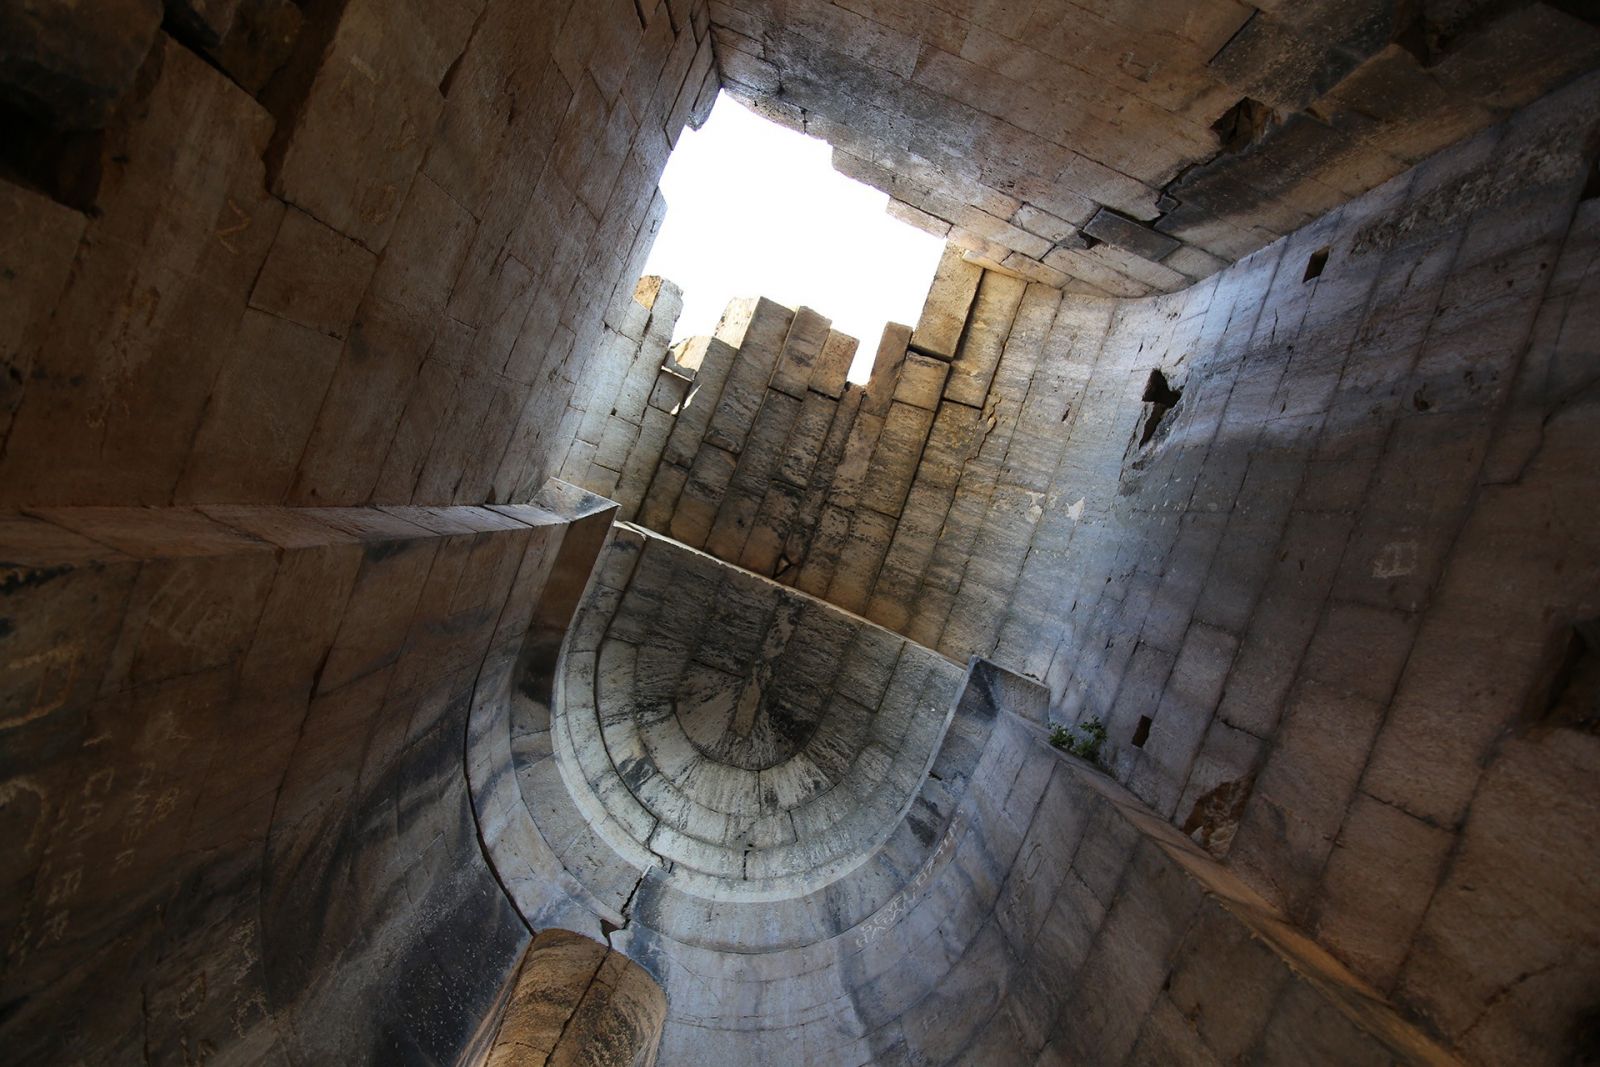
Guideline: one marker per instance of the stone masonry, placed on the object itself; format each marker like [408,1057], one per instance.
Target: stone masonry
[1183,648]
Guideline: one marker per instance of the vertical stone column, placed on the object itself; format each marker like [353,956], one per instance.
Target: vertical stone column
[579,1002]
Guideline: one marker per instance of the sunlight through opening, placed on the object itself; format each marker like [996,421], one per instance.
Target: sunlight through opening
[754,209]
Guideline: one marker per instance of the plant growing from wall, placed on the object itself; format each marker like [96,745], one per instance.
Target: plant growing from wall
[1087,746]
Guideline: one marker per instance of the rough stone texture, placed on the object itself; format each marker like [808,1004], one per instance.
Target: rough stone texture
[239,731]
[71,64]
[1271,572]
[1019,908]
[458,142]
[577,1001]
[1312,538]
[1179,137]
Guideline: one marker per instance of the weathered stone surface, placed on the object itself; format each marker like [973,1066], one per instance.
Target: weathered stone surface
[1125,233]
[1311,539]
[70,66]
[313,276]
[944,316]
[360,132]
[759,351]
[257,42]
[921,381]
[575,1000]
[32,283]
[886,365]
[802,348]
[265,590]
[139,331]
[895,458]
[830,372]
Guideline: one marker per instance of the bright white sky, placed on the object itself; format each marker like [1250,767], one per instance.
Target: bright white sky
[754,209]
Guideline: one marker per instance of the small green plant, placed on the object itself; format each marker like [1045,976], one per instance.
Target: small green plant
[1084,747]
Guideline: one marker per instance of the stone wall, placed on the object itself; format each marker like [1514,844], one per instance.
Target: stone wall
[378,276]
[1305,537]
[236,820]
[1125,147]
[1312,538]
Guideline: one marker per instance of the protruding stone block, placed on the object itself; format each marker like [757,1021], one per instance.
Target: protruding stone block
[886,368]
[944,315]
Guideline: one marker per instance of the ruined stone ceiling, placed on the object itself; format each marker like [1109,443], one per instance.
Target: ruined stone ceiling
[1134,146]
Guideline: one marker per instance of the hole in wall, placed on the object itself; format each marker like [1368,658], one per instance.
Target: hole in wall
[757,209]
[1314,265]
[1591,184]
[62,165]
[1243,124]
[1141,733]
[1569,695]
[1162,398]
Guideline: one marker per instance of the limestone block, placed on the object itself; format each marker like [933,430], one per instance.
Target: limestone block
[258,41]
[55,656]
[313,275]
[642,461]
[757,464]
[689,428]
[944,315]
[886,368]
[1129,234]
[382,358]
[766,549]
[32,283]
[702,495]
[859,559]
[670,391]
[827,543]
[615,443]
[808,334]
[746,384]
[921,381]
[260,413]
[803,451]
[912,215]
[857,456]
[993,311]
[70,66]
[661,499]
[633,395]
[1038,221]
[895,458]
[1033,270]
[177,192]
[823,474]
[949,299]
[829,373]
[1369,921]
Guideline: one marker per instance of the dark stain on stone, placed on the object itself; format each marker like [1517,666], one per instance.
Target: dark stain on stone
[378,551]
[15,577]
